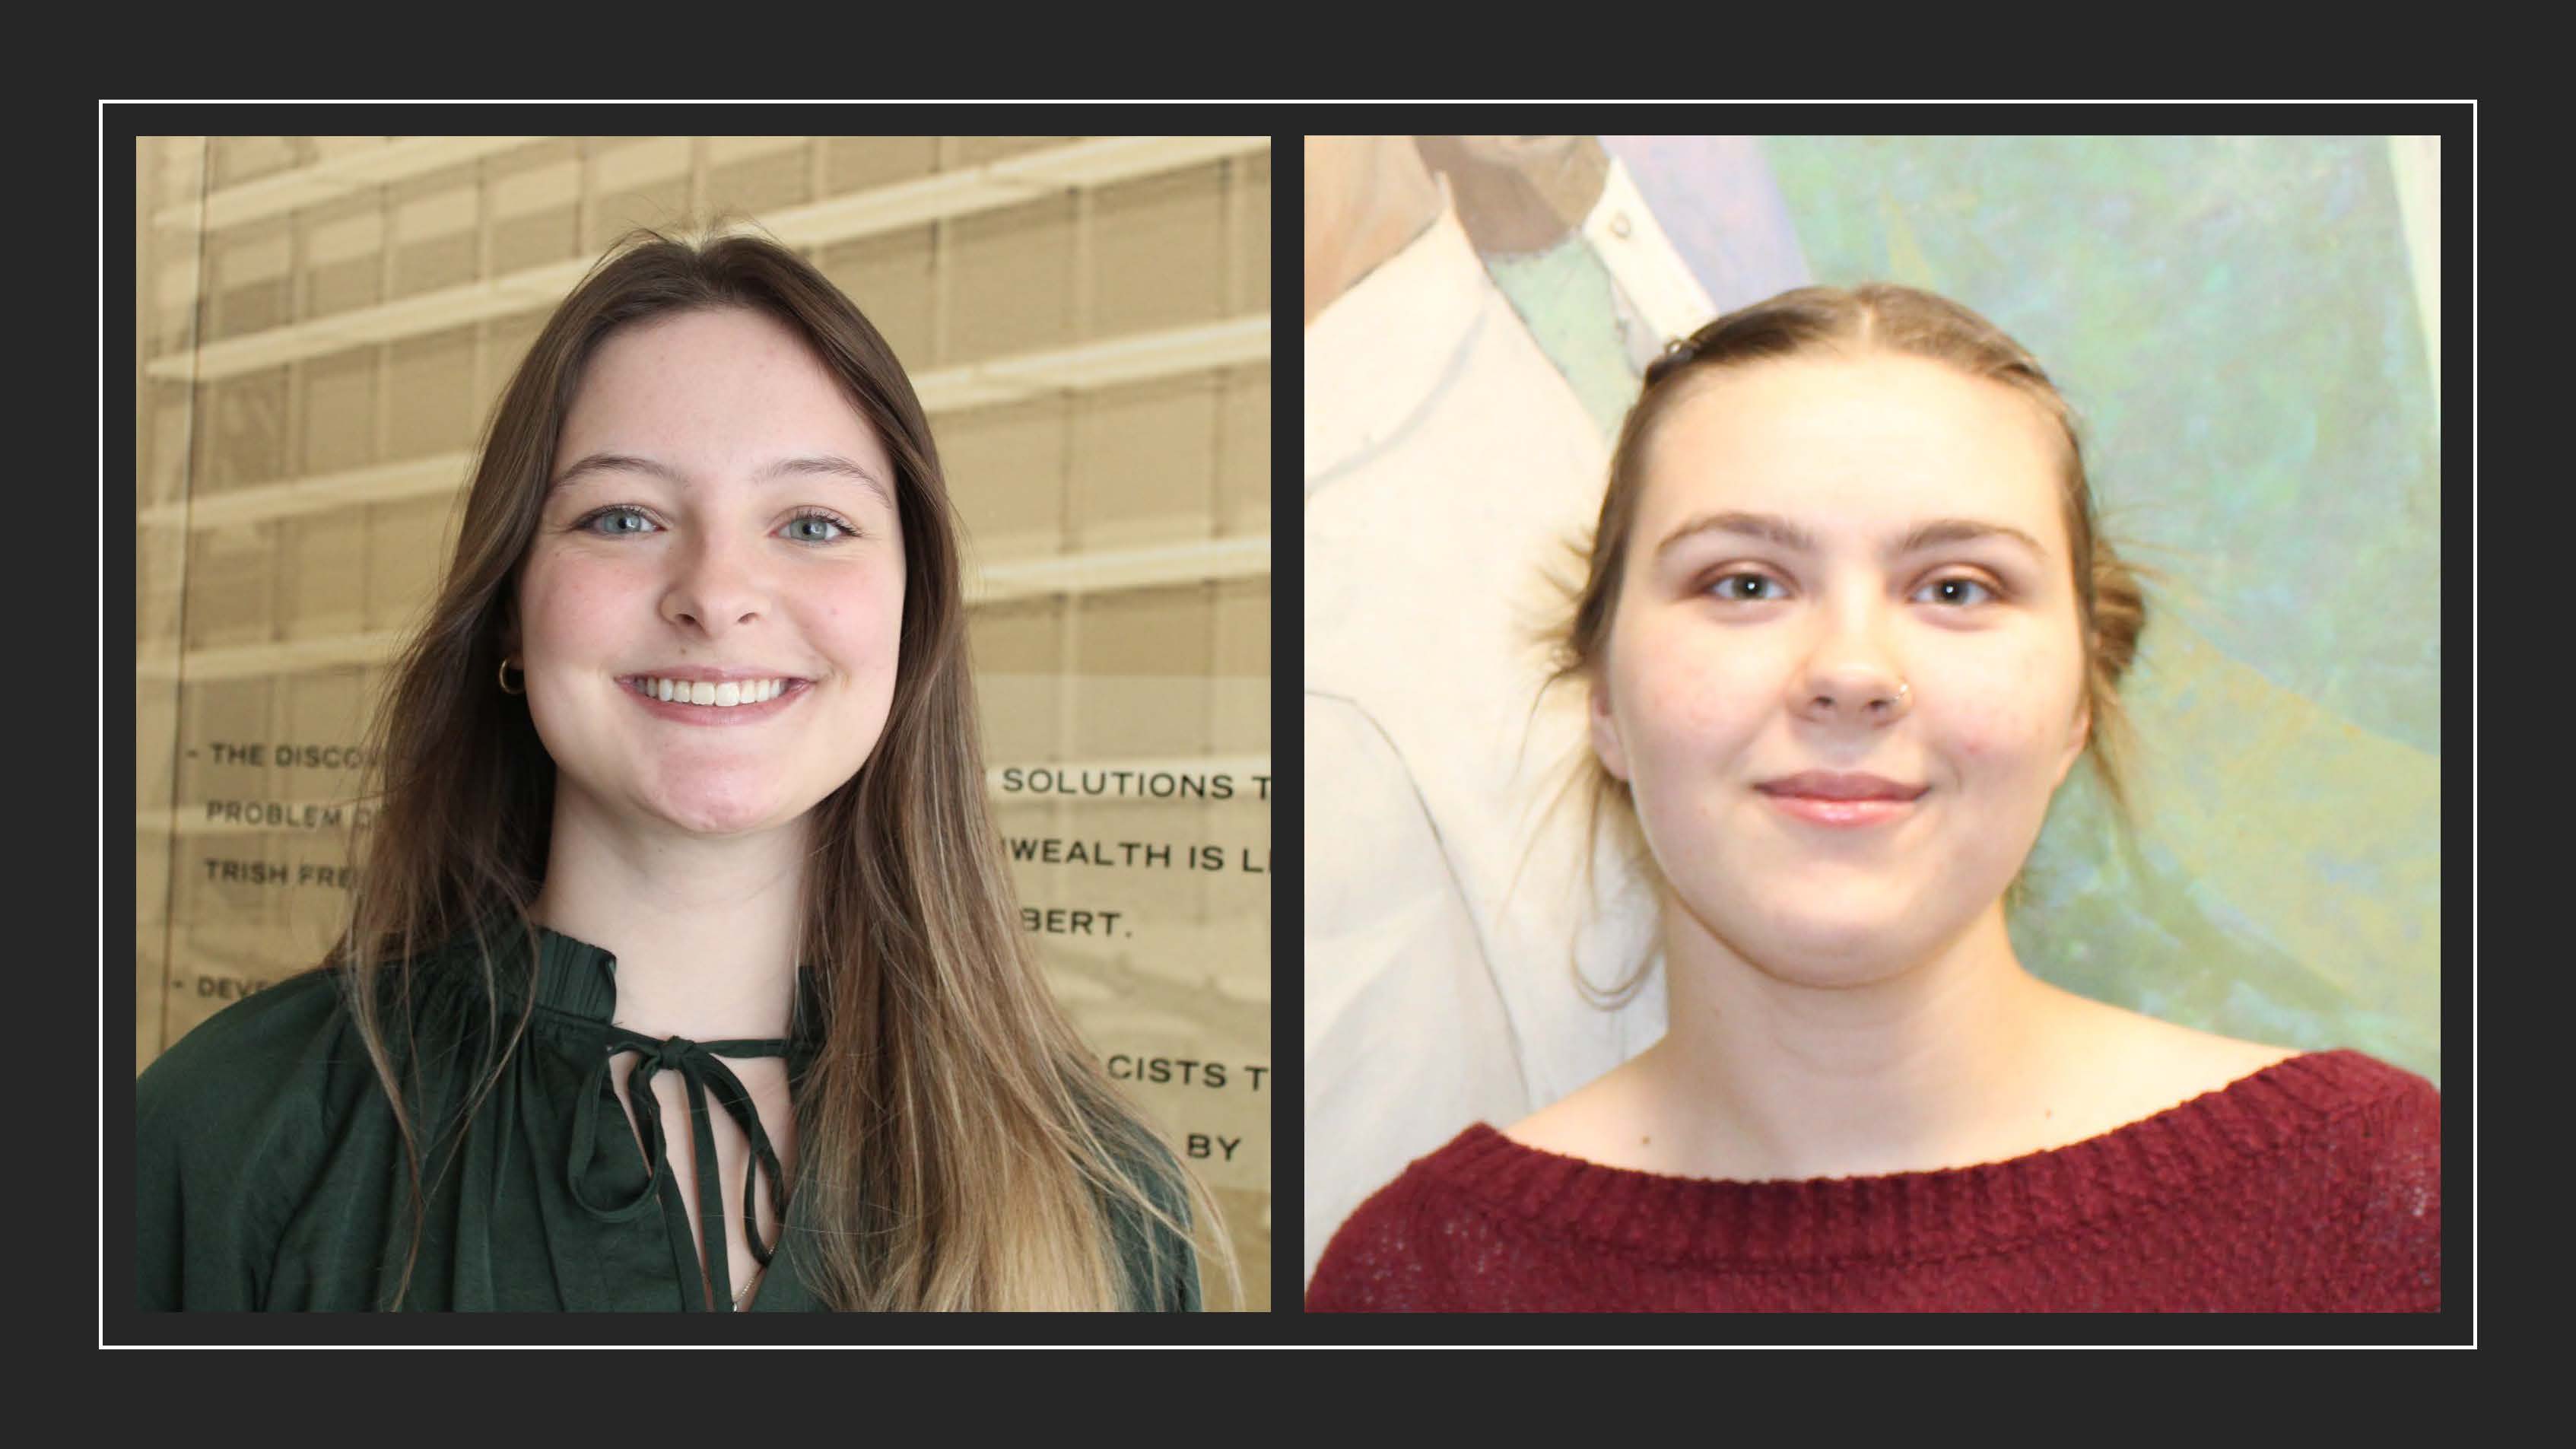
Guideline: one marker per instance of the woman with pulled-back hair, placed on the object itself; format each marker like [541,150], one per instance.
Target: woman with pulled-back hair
[682,970]
[1846,627]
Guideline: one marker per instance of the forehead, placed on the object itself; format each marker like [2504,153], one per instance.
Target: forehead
[1855,444]
[705,389]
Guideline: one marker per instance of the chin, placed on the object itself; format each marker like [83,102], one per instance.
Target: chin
[721,826]
[1826,966]
[1823,938]
[727,815]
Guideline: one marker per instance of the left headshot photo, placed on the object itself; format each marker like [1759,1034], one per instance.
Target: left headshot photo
[703,724]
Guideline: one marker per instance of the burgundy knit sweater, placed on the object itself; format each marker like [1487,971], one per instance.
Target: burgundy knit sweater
[2312,1185]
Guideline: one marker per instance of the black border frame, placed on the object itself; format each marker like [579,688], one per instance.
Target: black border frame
[117,125]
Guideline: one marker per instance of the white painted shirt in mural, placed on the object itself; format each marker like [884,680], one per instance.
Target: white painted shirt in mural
[1652,279]
[1448,466]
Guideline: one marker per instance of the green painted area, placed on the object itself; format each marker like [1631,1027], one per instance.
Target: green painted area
[2236,322]
[1563,294]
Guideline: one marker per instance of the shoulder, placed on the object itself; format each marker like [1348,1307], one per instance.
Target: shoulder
[2363,1172]
[2379,1144]
[1572,1126]
[246,1091]
[2327,1164]
[239,1063]
[2210,1062]
[2337,1111]
[229,1132]
[1610,1120]
[1394,1252]
[2111,1066]
[2401,1147]
[2374,1114]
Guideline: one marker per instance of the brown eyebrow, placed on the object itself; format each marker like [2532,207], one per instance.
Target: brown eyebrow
[1931,533]
[829,465]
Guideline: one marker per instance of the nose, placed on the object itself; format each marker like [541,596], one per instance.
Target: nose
[1855,690]
[1851,672]
[716,584]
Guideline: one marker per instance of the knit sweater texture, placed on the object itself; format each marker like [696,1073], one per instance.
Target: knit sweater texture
[2313,1185]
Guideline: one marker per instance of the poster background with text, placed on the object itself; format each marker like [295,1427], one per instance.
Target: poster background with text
[324,324]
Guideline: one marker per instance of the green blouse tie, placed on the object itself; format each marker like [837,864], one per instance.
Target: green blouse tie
[700,1064]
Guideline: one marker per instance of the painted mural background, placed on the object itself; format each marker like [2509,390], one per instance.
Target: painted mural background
[2249,329]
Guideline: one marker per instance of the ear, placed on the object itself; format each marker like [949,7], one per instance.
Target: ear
[1605,731]
[2079,736]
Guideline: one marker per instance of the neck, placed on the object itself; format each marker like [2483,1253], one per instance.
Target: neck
[705,931]
[1525,208]
[1933,1053]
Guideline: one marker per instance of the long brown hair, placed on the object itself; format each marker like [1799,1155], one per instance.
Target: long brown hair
[2111,603]
[959,1147]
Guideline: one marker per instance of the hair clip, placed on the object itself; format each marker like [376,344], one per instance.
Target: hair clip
[1677,352]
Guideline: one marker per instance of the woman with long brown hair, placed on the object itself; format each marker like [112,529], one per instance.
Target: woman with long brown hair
[682,970]
[1848,621]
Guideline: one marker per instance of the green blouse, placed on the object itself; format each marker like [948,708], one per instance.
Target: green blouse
[269,1173]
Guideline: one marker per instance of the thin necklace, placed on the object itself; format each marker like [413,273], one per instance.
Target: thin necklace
[747,1285]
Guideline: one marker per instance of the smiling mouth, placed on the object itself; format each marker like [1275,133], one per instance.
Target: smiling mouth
[701,694]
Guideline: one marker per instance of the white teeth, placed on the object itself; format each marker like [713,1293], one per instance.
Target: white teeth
[717,696]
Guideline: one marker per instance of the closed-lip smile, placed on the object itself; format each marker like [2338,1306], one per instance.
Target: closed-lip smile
[1836,785]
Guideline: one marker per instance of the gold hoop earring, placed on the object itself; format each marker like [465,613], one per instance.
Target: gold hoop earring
[505,679]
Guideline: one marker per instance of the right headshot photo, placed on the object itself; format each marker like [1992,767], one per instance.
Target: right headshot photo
[1872,723]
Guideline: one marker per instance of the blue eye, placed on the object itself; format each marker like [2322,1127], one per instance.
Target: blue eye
[630,522]
[1987,592]
[825,519]
[620,511]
